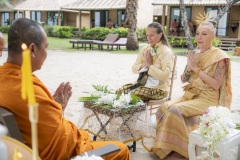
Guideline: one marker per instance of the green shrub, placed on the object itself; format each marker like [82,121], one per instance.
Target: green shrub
[216,42]
[4,29]
[60,31]
[141,33]
[65,31]
[48,30]
[100,33]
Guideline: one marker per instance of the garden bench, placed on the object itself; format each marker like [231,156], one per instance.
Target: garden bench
[119,43]
[109,40]
[83,42]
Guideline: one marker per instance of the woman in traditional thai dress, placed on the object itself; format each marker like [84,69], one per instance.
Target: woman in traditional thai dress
[208,78]
[157,58]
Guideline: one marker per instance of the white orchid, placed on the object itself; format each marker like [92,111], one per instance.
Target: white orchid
[123,101]
[103,97]
[215,125]
[107,99]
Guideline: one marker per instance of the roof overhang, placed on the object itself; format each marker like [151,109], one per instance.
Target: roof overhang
[190,2]
[96,5]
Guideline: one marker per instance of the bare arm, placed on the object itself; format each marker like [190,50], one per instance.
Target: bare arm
[185,76]
[217,79]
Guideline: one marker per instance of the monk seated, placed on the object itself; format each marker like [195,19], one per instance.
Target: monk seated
[58,138]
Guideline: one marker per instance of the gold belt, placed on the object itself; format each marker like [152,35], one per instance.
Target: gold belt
[192,89]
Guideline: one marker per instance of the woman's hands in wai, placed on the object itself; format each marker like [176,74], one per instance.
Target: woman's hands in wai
[63,94]
[148,59]
[192,64]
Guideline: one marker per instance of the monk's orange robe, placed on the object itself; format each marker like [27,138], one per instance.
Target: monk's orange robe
[58,138]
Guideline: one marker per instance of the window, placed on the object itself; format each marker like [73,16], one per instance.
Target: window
[101,18]
[53,18]
[176,14]
[222,24]
[18,15]
[121,16]
[5,19]
[36,16]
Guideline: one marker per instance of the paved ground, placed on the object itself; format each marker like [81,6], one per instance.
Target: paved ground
[82,69]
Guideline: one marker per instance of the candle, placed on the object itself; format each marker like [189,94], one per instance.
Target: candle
[27,91]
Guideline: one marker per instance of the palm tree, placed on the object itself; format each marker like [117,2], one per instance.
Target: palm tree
[221,12]
[131,23]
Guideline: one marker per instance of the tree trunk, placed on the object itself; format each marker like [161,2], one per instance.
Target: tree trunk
[131,23]
[185,25]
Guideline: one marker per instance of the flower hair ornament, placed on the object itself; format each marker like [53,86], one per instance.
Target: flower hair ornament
[206,18]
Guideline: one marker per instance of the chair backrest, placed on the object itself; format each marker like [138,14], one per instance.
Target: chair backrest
[14,145]
[111,38]
[121,41]
[7,119]
[173,76]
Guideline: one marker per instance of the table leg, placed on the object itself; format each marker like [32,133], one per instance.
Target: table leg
[133,146]
[103,126]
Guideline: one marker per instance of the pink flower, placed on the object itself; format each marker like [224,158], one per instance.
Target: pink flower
[206,111]
[207,123]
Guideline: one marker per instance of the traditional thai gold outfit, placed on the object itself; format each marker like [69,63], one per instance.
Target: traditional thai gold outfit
[177,118]
[160,70]
[58,138]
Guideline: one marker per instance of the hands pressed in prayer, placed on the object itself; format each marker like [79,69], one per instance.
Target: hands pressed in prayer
[148,59]
[63,94]
[192,62]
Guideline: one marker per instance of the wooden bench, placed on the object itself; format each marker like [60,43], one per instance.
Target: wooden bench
[109,40]
[83,42]
[120,42]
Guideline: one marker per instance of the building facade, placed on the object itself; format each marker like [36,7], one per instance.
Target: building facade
[81,13]
[228,25]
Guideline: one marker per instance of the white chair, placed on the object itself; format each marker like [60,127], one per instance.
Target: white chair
[223,146]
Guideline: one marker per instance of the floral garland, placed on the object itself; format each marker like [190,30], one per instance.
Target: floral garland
[103,97]
[215,125]
[154,50]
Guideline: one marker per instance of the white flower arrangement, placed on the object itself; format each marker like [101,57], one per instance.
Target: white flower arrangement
[104,97]
[215,125]
[86,157]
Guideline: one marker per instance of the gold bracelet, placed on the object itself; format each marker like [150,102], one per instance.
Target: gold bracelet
[188,72]
[197,72]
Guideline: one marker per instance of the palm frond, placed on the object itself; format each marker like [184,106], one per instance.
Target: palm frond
[5,2]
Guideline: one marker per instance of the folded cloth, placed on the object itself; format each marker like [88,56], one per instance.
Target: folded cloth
[151,81]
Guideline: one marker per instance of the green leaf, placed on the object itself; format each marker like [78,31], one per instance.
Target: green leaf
[88,99]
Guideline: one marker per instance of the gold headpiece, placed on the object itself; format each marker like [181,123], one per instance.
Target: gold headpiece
[206,18]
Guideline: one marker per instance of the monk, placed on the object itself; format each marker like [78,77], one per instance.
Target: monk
[2,43]
[58,138]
